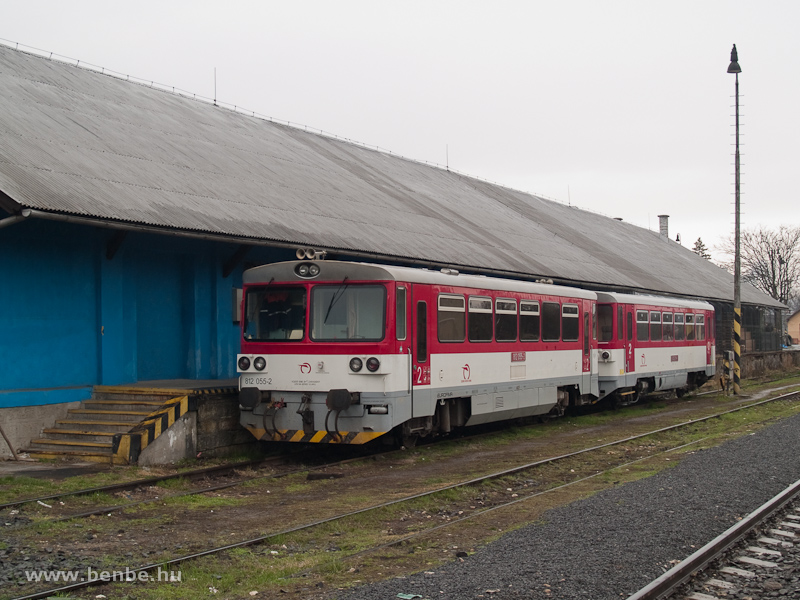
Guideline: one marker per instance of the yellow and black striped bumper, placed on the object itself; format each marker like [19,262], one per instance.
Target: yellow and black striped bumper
[315,437]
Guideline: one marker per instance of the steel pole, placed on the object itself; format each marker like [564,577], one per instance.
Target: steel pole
[737,270]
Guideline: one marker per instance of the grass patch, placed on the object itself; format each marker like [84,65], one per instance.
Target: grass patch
[202,501]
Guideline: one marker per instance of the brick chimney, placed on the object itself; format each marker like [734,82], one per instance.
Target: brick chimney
[663,226]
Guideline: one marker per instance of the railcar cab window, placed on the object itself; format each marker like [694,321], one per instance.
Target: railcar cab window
[666,326]
[348,312]
[505,320]
[570,322]
[689,328]
[451,319]
[480,319]
[529,321]
[679,327]
[551,321]
[700,327]
[642,323]
[655,326]
[605,316]
[275,314]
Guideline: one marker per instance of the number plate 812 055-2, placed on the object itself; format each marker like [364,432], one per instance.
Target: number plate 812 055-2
[248,381]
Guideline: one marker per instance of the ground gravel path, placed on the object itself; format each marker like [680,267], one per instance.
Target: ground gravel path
[614,543]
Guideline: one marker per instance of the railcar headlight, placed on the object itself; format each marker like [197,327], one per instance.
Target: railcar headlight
[606,355]
[373,364]
[244,363]
[307,270]
[355,364]
[260,363]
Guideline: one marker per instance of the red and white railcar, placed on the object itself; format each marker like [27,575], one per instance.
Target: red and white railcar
[346,352]
[650,343]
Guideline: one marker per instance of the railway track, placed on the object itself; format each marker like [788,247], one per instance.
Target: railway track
[220,472]
[225,471]
[744,560]
[216,471]
[503,475]
[144,482]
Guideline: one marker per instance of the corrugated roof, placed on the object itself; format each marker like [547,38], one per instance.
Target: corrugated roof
[81,143]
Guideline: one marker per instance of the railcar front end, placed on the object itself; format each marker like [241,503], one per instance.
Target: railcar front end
[319,361]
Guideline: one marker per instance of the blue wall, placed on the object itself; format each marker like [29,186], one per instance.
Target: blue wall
[70,318]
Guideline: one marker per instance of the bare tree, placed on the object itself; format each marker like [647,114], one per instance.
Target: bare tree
[770,260]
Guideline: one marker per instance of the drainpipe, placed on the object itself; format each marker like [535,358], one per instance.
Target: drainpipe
[8,221]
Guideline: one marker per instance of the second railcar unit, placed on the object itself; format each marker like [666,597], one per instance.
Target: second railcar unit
[650,343]
[342,352]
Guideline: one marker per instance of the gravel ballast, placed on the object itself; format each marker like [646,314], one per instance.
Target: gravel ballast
[617,541]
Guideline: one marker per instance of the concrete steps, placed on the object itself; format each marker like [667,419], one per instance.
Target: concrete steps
[125,404]
[90,425]
[119,416]
[77,435]
[87,432]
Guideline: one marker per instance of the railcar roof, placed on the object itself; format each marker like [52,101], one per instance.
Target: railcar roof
[336,271]
[80,144]
[653,301]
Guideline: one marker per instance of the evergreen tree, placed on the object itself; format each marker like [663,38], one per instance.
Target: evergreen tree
[700,249]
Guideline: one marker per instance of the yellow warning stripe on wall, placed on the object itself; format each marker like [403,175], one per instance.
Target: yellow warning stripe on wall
[127,446]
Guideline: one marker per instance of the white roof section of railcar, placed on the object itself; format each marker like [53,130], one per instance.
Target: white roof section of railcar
[93,148]
[653,300]
[336,271]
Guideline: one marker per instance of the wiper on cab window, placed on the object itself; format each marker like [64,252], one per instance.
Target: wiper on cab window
[335,298]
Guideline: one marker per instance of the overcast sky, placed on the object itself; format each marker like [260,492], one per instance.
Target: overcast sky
[621,107]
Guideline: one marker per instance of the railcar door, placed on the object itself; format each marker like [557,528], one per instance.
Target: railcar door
[586,385]
[630,365]
[420,350]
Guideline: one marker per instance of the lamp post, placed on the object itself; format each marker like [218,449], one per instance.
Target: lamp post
[737,270]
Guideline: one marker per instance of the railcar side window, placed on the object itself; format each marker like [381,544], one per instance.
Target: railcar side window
[689,327]
[480,319]
[505,320]
[594,322]
[700,327]
[348,312]
[655,326]
[570,323]
[451,319]
[620,328]
[641,326]
[605,316]
[275,314]
[529,321]
[551,321]
[401,313]
[666,325]
[679,327]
